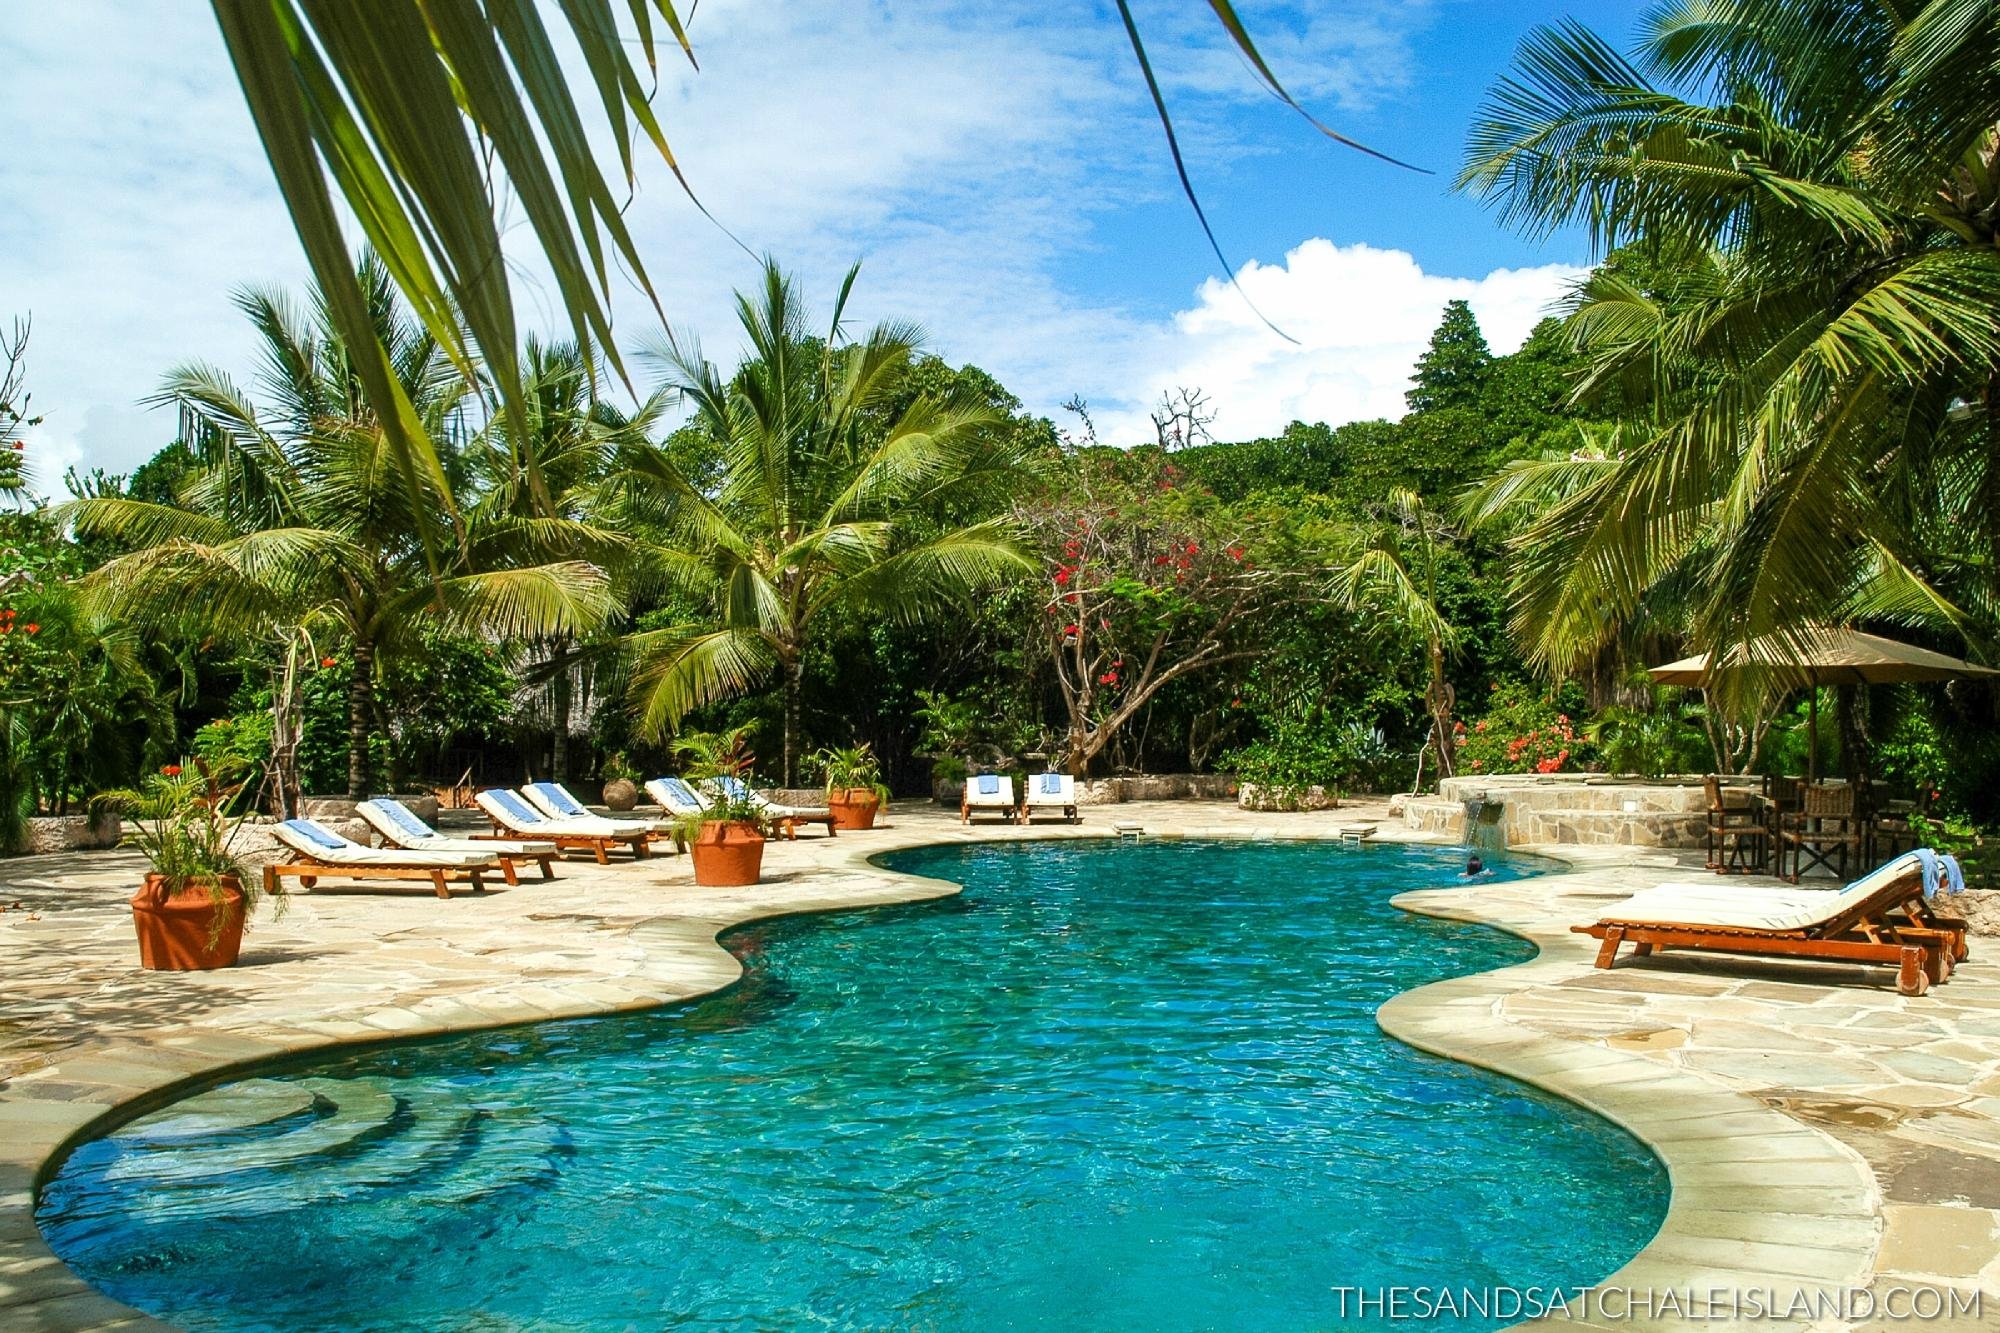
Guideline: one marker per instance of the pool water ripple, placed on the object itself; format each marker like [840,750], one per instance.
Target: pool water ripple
[1111,1086]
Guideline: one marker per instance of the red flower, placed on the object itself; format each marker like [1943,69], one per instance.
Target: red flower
[1235,703]
[1236,554]
[1062,577]
[1072,598]
[1070,631]
[20,444]
[329,661]
[33,628]
[1108,678]
[1479,725]
[1193,549]
[172,770]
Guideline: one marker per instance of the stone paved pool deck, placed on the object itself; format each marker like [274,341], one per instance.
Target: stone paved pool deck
[1822,1133]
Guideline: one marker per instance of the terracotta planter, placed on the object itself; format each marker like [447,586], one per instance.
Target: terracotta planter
[174,928]
[853,807]
[728,853]
[619,794]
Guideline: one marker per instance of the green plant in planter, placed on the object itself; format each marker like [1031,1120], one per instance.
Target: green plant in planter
[708,756]
[852,767]
[184,824]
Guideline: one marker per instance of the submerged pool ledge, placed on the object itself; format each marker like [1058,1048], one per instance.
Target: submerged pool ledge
[1759,1198]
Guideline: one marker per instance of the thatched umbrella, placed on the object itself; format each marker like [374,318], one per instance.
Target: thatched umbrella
[1823,656]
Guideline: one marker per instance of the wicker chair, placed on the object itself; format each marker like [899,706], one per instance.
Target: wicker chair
[1829,825]
[1738,839]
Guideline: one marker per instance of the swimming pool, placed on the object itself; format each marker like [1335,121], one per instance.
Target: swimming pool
[1113,1085]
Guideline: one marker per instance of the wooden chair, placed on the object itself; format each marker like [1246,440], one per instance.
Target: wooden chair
[1827,826]
[1738,838]
[1881,918]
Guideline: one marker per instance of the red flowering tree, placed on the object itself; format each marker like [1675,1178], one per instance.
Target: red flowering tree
[1144,581]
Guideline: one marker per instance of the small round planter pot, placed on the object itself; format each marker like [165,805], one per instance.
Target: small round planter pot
[853,807]
[728,853]
[175,928]
[620,794]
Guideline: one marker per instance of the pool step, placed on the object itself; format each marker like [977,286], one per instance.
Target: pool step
[356,1109]
[248,1105]
[511,1155]
[268,1146]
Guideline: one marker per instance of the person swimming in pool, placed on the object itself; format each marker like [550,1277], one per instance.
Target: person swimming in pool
[1474,866]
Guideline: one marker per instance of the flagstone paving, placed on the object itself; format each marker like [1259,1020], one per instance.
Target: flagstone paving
[1824,1135]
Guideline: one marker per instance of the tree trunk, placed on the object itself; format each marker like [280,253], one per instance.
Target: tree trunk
[1441,702]
[284,775]
[394,777]
[559,709]
[795,673]
[358,713]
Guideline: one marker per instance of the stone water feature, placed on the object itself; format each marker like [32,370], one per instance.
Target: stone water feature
[1523,809]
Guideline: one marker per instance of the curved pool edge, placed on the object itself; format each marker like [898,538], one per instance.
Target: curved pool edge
[119,1080]
[1747,1182]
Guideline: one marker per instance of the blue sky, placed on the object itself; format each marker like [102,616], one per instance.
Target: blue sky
[995,166]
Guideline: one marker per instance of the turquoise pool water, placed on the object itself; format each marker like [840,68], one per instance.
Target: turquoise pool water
[1112,1086]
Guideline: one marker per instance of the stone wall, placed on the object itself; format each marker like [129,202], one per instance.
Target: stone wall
[1577,808]
[73,833]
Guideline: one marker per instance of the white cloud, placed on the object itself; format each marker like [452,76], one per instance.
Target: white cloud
[1361,317]
[965,151]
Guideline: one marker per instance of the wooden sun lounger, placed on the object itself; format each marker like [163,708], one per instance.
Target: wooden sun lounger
[512,853]
[597,844]
[1887,922]
[309,873]
[345,860]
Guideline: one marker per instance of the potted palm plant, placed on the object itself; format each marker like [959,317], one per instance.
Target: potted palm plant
[725,839]
[190,912]
[854,790]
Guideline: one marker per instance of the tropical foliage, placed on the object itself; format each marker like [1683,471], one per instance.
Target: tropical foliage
[811,512]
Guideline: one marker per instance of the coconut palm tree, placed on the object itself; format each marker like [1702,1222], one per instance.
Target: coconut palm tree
[298,517]
[1392,570]
[826,502]
[571,442]
[1804,302]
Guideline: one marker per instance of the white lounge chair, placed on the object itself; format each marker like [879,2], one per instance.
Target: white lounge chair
[988,793]
[322,852]
[786,818]
[1049,792]
[514,818]
[554,799]
[400,827]
[676,797]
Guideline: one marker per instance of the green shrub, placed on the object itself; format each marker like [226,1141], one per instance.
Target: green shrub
[1525,730]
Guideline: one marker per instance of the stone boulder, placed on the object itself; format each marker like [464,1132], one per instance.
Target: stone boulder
[73,833]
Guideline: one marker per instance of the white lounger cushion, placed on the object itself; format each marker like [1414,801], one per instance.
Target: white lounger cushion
[555,800]
[675,796]
[1709,904]
[1002,793]
[398,824]
[1040,793]
[518,816]
[318,843]
[742,791]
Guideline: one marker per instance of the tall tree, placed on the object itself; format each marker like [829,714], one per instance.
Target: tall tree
[1811,337]
[822,504]
[297,516]
[1453,369]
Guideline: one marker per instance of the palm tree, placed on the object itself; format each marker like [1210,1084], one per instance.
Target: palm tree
[1393,571]
[297,516]
[1804,301]
[427,116]
[572,440]
[827,502]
